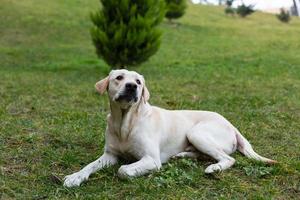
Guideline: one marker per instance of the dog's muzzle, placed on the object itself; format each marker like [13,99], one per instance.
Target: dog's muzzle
[129,94]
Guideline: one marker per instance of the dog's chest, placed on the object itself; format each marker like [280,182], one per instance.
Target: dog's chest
[128,148]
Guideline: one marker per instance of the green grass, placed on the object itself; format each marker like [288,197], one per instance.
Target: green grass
[52,121]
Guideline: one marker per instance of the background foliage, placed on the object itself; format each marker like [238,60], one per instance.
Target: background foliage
[175,8]
[125,32]
[244,10]
[284,16]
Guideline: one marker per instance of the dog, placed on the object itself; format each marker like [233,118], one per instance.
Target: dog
[150,135]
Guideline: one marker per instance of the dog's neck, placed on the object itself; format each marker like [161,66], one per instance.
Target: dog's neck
[122,120]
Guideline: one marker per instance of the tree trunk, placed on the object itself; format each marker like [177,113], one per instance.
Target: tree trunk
[297,7]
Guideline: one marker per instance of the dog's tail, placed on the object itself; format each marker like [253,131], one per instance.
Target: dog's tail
[245,148]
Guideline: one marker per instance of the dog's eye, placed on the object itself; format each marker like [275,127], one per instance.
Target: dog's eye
[138,81]
[119,77]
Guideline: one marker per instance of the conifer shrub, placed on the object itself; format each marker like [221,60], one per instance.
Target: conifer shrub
[244,10]
[175,9]
[125,32]
[284,16]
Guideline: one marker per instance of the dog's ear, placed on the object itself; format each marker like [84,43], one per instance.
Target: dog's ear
[146,94]
[102,85]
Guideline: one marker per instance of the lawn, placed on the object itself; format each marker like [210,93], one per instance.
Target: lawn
[52,121]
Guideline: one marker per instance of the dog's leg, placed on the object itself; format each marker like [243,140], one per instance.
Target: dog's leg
[77,178]
[141,167]
[205,138]
[190,152]
[187,154]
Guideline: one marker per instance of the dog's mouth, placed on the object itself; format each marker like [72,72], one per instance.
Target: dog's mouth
[128,97]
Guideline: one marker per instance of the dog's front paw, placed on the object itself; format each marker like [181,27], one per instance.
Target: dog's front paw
[75,179]
[213,168]
[126,172]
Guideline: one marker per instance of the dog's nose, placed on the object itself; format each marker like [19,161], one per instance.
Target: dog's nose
[131,86]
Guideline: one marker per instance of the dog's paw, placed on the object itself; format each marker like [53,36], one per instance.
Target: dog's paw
[126,172]
[187,155]
[75,179]
[179,155]
[184,155]
[213,168]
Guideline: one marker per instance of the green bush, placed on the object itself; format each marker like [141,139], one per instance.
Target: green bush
[175,8]
[284,16]
[244,10]
[229,11]
[125,32]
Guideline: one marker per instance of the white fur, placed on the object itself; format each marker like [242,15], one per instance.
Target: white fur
[152,135]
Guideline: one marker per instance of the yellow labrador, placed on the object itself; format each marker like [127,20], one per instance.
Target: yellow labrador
[152,135]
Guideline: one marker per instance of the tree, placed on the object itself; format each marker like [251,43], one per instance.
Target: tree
[284,16]
[125,32]
[229,10]
[229,3]
[244,10]
[297,7]
[175,9]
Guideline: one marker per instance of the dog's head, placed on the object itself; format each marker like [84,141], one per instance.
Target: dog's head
[124,87]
